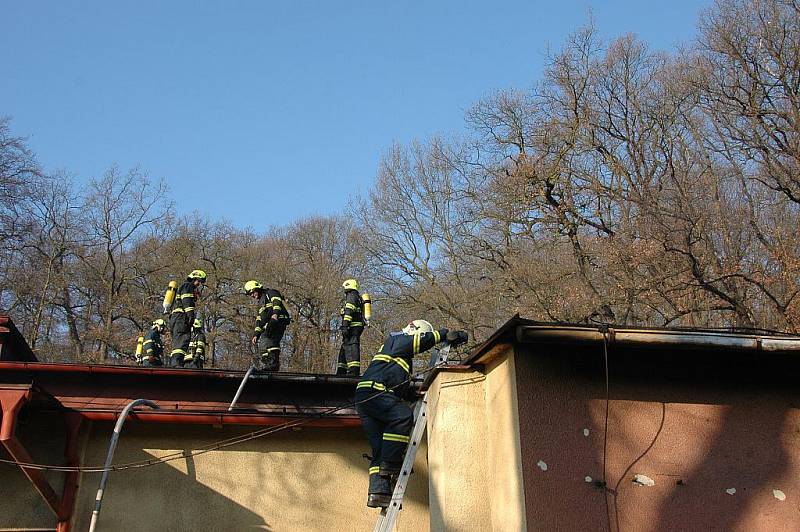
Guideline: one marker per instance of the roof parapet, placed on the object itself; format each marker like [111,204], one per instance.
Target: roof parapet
[655,338]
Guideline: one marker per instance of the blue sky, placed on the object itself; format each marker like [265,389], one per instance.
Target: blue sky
[265,112]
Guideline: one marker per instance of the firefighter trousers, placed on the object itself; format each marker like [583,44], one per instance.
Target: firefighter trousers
[269,345]
[387,421]
[350,352]
[181,331]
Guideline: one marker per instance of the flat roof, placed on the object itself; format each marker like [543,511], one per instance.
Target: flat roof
[100,392]
[524,331]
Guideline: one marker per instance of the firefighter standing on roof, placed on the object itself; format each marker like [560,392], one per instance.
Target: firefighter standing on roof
[271,321]
[386,417]
[352,326]
[197,347]
[152,347]
[183,314]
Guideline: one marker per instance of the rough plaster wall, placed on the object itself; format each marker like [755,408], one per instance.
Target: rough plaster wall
[312,479]
[715,454]
[457,457]
[504,456]
[21,506]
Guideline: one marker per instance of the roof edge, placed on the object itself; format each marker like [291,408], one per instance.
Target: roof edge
[520,330]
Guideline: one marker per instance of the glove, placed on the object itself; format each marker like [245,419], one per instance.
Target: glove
[411,392]
[455,338]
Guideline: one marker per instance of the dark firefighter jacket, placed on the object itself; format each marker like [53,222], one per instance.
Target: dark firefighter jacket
[353,309]
[152,346]
[185,299]
[391,368]
[271,302]
[197,345]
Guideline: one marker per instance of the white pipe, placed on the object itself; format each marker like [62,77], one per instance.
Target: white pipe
[98,501]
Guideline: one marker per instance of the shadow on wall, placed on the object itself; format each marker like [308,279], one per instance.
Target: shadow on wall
[313,479]
[161,497]
[716,441]
[731,486]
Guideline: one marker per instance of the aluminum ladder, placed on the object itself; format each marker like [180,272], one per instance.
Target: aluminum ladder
[388,516]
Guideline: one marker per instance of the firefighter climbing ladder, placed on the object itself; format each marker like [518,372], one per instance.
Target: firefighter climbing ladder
[389,515]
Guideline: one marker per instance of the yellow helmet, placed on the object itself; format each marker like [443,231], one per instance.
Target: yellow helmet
[418,326]
[197,324]
[350,284]
[198,274]
[159,323]
[249,286]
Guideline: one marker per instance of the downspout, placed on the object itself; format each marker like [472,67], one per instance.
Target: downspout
[110,456]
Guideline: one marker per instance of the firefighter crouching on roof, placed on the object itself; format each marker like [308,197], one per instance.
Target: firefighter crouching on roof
[386,418]
[153,347]
[271,321]
[197,347]
[182,316]
[352,326]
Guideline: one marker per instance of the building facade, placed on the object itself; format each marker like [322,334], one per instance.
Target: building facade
[543,427]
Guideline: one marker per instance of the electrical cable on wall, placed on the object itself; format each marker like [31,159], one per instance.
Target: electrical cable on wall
[605,330]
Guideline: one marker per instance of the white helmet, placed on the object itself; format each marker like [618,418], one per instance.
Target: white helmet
[418,326]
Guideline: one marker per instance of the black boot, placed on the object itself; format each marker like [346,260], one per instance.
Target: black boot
[269,363]
[379,500]
[380,491]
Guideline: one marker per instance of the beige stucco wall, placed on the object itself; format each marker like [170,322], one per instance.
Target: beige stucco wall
[504,456]
[309,479]
[474,453]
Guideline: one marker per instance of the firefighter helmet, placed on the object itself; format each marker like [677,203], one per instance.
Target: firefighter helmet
[417,327]
[197,324]
[250,286]
[350,284]
[200,275]
[159,323]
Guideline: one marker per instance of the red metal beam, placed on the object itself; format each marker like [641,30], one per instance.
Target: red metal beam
[73,421]
[12,398]
[224,419]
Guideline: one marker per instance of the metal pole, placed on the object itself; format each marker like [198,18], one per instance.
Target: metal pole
[110,456]
[241,387]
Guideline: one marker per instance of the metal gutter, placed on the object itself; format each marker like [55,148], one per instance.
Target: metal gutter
[657,338]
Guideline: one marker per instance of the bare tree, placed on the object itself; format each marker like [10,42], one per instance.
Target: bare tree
[120,207]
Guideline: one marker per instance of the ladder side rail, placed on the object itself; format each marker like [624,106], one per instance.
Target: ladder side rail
[388,516]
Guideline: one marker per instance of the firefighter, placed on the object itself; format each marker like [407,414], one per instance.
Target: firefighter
[271,321]
[197,347]
[386,417]
[352,326]
[152,346]
[182,316]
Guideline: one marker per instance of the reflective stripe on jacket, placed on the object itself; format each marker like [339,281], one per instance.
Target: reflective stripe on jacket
[393,364]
